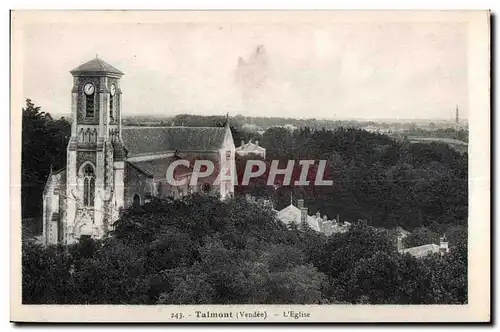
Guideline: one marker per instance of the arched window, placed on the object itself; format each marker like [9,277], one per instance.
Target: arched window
[111,110]
[137,200]
[88,185]
[89,105]
[87,136]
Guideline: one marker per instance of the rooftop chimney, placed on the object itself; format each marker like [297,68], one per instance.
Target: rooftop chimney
[303,210]
[242,142]
[257,143]
[443,244]
[400,243]
[303,215]
[300,203]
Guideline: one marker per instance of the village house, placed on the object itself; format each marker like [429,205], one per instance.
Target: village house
[251,148]
[424,250]
[299,215]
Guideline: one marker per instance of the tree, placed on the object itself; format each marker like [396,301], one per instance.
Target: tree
[457,236]
[195,250]
[44,143]
[377,279]
[238,276]
[421,236]
[46,276]
[342,253]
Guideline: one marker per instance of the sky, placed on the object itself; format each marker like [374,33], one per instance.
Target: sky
[326,71]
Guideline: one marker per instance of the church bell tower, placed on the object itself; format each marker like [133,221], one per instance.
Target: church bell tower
[95,158]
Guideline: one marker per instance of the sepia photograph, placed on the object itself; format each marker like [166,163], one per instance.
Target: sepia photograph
[300,166]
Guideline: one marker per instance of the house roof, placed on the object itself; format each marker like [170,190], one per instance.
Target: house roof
[250,147]
[141,141]
[292,213]
[330,227]
[96,66]
[422,251]
[313,223]
[402,232]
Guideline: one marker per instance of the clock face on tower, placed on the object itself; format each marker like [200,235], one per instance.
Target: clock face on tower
[89,89]
[112,89]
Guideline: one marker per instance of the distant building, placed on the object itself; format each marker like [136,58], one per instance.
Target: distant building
[329,227]
[251,148]
[371,129]
[298,215]
[260,201]
[288,126]
[378,130]
[401,232]
[424,250]
[251,127]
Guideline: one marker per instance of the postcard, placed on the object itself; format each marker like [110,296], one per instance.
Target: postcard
[250,166]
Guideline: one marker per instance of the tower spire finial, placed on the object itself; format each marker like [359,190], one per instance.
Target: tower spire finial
[227,119]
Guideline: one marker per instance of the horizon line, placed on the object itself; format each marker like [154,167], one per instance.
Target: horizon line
[292,118]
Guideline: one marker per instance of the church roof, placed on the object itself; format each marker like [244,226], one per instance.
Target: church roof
[96,66]
[157,168]
[141,141]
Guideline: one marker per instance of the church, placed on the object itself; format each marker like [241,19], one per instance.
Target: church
[111,167]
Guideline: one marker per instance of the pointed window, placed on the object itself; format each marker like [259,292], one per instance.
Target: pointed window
[89,185]
[136,201]
[111,110]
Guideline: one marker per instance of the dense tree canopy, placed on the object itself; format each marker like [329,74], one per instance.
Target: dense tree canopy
[385,182]
[44,143]
[202,250]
